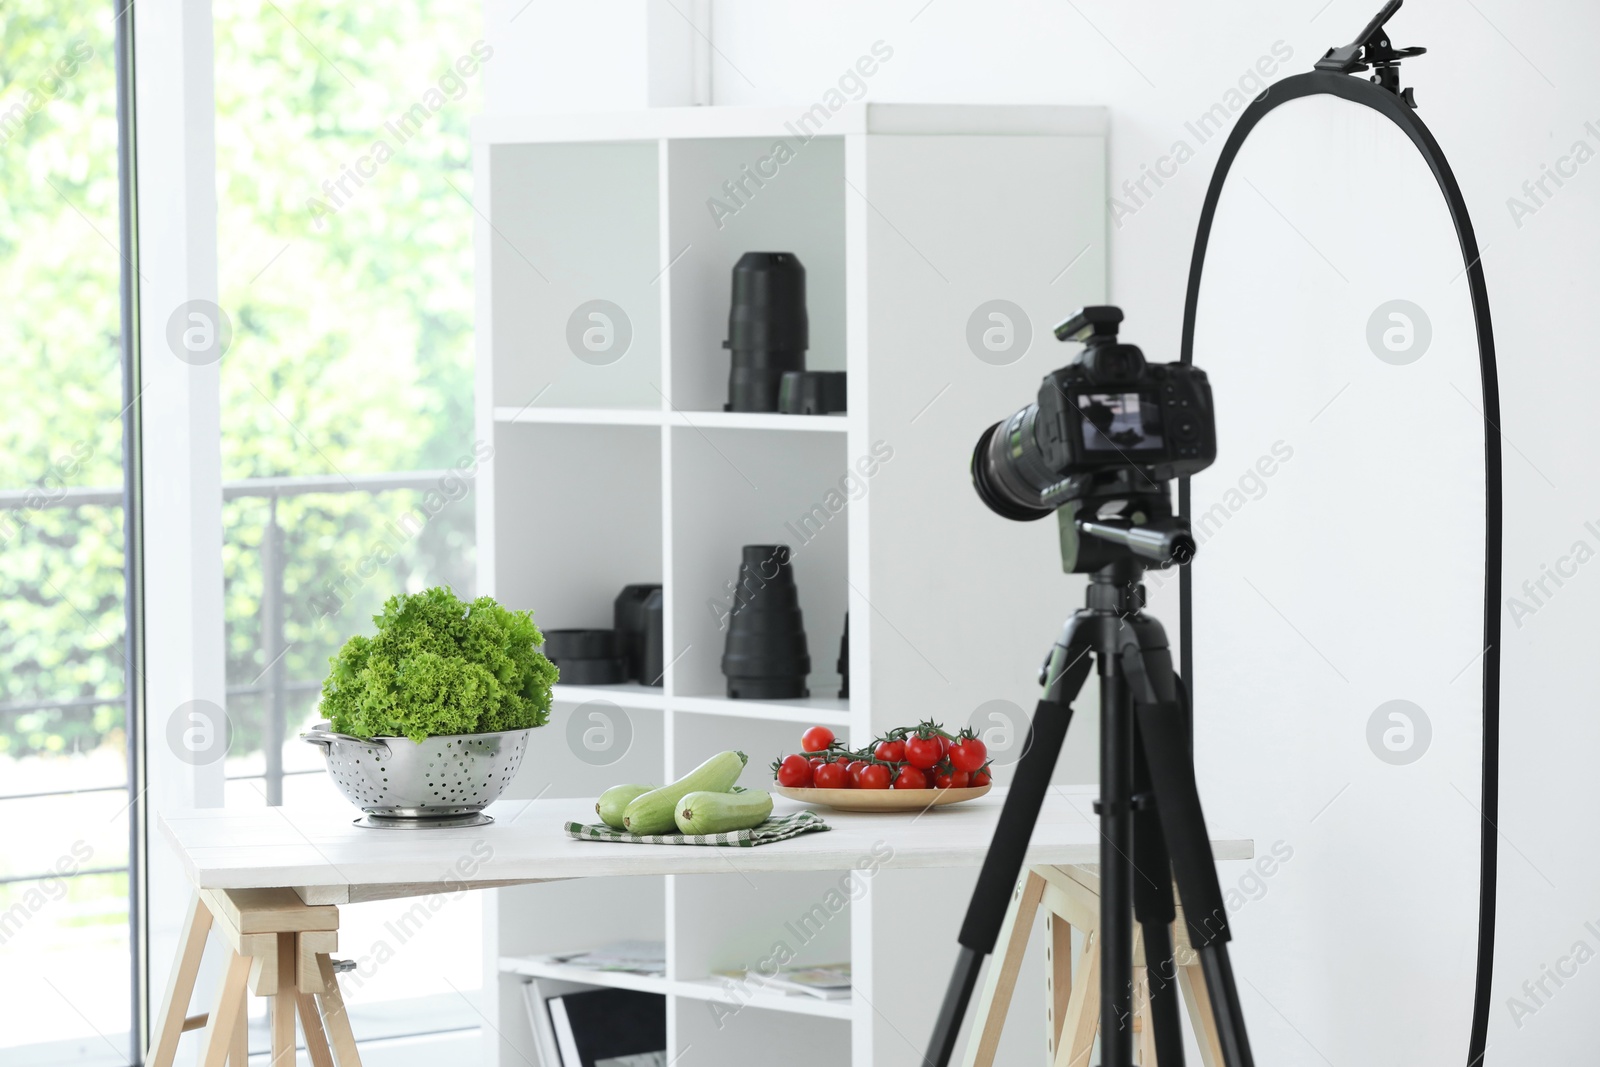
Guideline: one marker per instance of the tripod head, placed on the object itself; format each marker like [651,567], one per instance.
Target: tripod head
[1122,516]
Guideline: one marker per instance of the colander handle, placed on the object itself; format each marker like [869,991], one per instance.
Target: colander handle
[328,737]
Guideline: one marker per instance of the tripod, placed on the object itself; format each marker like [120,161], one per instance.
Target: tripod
[1151,825]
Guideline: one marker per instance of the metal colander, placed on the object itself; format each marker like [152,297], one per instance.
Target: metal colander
[398,778]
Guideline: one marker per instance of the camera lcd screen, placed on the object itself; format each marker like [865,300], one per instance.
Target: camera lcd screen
[1120,422]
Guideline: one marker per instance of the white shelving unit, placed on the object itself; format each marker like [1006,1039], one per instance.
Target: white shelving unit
[621,467]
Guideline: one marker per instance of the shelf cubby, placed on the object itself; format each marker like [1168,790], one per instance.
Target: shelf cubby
[566,562]
[574,223]
[732,488]
[535,920]
[719,206]
[741,921]
[569,564]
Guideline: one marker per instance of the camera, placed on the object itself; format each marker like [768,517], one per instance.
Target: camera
[1105,420]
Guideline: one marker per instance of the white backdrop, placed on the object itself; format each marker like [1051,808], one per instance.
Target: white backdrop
[1509,90]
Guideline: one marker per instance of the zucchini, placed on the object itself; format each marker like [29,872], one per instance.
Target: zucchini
[615,800]
[721,813]
[653,812]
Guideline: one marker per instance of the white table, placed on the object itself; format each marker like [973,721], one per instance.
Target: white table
[244,861]
[320,854]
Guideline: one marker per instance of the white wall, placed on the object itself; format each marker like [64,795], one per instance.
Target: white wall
[1507,89]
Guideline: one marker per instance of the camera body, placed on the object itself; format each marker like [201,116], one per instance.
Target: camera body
[1106,412]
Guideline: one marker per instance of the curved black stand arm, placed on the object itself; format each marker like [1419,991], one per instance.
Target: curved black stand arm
[1395,104]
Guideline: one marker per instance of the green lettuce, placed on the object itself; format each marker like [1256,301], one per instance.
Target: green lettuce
[439,665]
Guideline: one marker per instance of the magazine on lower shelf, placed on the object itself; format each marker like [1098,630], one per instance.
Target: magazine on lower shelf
[828,981]
[627,957]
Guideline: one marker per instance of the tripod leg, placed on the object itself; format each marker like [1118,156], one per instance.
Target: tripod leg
[1116,863]
[1152,905]
[1161,981]
[1070,661]
[1163,732]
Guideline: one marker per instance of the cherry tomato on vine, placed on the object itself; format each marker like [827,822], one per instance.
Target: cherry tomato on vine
[853,770]
[831,776]
[952,779]
[979,777]
[873,776]
[890,751]
[923,752]
[968,754]
[817,762]
[794,772]
[816,739]
[911,778]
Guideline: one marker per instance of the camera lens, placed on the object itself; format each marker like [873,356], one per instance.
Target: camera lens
[1007,470]
[768,330]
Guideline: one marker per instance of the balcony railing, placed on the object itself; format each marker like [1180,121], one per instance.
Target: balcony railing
[273,684]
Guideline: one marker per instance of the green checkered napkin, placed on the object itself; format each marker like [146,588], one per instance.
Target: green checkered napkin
[774,829]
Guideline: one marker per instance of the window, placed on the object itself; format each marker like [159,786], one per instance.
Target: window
[345,271]
[64,797]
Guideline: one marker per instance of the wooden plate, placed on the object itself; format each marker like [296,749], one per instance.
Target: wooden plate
[881,799]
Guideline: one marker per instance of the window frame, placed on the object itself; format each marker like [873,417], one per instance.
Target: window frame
[175,477]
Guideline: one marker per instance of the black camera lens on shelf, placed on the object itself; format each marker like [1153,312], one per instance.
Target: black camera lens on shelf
[768,331]
[844,660]
[766,657]
[585,657]
[652,654]
[812,392]
[628,617]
